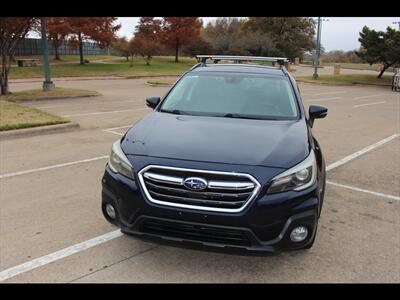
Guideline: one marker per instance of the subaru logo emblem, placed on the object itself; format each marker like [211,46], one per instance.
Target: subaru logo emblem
[195,183]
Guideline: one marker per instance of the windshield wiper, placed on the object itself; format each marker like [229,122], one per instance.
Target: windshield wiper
[239,116]
[174,111]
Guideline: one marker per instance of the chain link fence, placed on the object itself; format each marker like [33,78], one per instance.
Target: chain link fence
[31,46]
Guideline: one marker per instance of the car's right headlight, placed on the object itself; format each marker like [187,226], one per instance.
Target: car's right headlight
[297,178]
[118,162]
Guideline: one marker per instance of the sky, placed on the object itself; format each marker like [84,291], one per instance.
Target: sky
[338,33]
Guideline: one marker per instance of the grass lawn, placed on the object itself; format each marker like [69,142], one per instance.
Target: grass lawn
[386,80]
[374,67]
[40,94]
[115,66]
[353,66]
[15,116]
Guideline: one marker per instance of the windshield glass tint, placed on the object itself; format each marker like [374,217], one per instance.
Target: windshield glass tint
[225,94]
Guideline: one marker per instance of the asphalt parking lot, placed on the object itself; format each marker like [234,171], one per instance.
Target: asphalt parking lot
[52,228]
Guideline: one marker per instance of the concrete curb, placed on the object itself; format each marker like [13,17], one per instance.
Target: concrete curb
[341,84]
[158,84]
[54,98]
[9,134]
[150,76]
[83,78]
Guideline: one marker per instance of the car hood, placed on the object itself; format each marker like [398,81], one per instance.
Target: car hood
[279,144]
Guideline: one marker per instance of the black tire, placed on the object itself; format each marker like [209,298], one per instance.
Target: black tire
[322,198]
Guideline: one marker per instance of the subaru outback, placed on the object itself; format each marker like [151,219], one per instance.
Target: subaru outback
[226,159]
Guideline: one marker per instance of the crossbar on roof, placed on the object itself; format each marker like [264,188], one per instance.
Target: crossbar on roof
[216,58]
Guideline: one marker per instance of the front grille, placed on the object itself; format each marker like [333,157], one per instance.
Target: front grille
[196,232]
[223,191]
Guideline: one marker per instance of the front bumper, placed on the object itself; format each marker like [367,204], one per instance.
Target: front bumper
[264,226]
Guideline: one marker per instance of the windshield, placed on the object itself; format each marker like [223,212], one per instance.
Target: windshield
[232,95]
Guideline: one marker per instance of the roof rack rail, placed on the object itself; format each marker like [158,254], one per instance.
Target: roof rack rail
[195,66]
[216,58]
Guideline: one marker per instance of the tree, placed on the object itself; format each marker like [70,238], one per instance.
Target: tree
[230,36]
[146,40]
[149,28]
[222,34]
[293,36]
[257,43]
[12,31]
[198,46]
[380,47]
[99,29]
[58,29]
[180,31]
[122,46]
[145,47]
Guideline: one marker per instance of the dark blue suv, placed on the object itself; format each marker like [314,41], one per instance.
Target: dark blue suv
[227,159]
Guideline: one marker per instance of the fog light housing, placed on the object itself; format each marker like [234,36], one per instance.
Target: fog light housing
[110,210]
[299,234]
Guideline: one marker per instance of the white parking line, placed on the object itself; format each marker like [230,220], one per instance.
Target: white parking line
[49,258]
[327,93]
[363,190]
[102,112]
[361,152]
[86,103]
[120,127]
[46,259]
[369,96]
[323,99]
[366,104]
[12,174]
[112,130]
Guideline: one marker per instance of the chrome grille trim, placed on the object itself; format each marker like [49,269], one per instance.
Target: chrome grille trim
[212,184]
[164,178]
[230,185]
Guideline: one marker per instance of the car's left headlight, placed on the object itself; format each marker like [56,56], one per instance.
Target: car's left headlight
[297,178]
[118,162]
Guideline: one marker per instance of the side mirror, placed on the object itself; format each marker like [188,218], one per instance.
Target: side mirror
[316,112]
[152,101]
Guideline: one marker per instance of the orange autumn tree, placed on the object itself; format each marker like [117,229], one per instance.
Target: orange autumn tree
[146,39]
[12,31]
[58,29]
[180,31]
[99,29]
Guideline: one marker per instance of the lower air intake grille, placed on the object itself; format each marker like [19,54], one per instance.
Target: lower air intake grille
[195,232]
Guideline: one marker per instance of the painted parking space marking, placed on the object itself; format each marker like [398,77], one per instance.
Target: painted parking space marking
[367,104]
[365,97]
[360,152]
[49,258]
[71,163]
[363,190]
[112,130]
[102,112]
[87,103]
[327,93]
[323,99]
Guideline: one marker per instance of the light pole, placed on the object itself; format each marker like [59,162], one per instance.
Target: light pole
[318,50]
[47,83]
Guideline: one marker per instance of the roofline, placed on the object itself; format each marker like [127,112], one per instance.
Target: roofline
[237,58]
